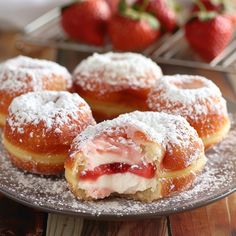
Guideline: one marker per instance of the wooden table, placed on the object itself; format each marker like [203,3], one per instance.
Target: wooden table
[215,219]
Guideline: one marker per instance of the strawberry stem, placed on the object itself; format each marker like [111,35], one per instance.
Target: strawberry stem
[144,5]
[200,5]
[122,6]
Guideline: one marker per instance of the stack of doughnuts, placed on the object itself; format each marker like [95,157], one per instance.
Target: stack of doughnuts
[143,155]
[115,83]
[22,74]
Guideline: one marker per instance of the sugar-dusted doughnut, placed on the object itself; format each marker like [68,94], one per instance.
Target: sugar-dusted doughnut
[40,127]
[197,99]
[23,74]
[140,155]
[115,83]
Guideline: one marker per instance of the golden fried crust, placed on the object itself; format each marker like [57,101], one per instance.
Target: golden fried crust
[2,119]
[36,167]
[36,139]
[219,134]
[110,105]
[47,150]
[39,163]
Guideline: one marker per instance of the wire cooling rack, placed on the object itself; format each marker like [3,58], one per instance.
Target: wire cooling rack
[170,49]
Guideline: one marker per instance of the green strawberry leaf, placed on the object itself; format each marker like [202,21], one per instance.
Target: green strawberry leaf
[152,20]
[122,6]
[139,15]
[206,15]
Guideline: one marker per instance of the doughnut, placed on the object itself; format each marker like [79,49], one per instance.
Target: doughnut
[197,99]
[23,74]
[115,83]
[141,155]
[40,127]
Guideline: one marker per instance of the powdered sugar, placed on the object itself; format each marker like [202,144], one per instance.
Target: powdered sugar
[187,95]
[113,125]
[188,88]
[52,194]
[167,130]
[22,74]
[55,109]
[116,71]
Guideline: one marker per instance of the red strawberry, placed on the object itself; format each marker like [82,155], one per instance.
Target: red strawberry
[86,20]
[132,30]
[113,4]
[209,5]
[209,36]
[164,11]
[224,7]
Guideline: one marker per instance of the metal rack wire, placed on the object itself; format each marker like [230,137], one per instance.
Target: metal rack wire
[170,49]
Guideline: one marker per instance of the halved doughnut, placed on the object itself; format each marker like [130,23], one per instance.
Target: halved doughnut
[140,155]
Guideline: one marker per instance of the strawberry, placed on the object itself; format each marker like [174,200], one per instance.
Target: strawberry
[113,4]
[225,7]
[164,11]
[132,30]
[209,5]
[86,21]
[208,34]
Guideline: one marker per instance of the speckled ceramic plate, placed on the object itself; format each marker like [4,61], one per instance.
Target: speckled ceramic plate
[52,195]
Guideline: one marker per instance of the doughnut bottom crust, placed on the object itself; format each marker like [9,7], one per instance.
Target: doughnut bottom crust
[216,137]
[168,183]
[38,163]
[2,120]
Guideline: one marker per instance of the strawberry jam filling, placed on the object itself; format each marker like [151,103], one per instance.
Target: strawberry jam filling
[143,170]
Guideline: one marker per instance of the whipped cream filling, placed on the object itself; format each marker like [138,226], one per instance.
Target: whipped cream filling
[124,145]
[99,153]
[125,183]
[104,150]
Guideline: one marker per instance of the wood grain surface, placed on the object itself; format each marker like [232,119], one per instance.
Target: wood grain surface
[218,218]
[16,219]
[153,227]
[64,225]
[215,219]
[73,226]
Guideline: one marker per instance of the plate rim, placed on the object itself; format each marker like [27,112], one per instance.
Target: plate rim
[110,216]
